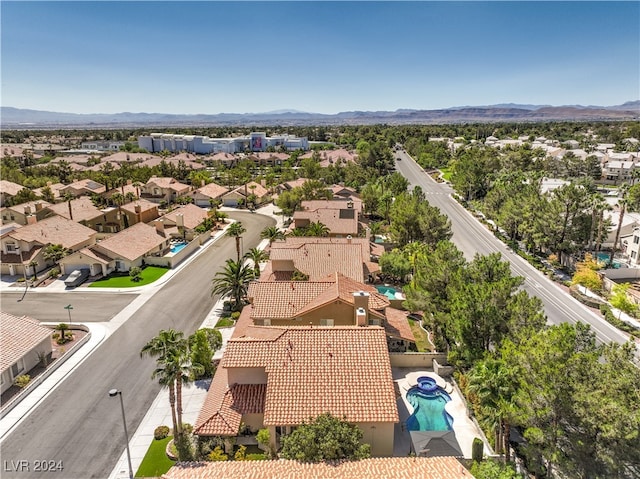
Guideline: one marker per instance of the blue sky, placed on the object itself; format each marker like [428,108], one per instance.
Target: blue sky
[315,56]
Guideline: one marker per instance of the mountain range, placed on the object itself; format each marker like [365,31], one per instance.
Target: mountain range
[17,118]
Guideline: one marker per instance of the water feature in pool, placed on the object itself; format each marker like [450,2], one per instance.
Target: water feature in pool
[428,401]
[177,247]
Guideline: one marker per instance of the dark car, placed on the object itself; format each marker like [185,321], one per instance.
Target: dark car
[76,278]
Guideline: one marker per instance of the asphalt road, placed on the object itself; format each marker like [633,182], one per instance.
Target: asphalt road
[49,307]
[78,425]
[471,237]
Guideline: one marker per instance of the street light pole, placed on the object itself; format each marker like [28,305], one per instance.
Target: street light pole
[68,307]
[113,393]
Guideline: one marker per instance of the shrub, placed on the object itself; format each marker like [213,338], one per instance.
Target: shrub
[184,448]
[187,428]
[241,454]
[256,457]
[476,449]
[235,315]
[217,455]
[136,274]
[54,272]
[22,380]
[161,432]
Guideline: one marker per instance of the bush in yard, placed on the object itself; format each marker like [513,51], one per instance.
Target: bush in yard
[161,432]
[217,455]
[476,449]
[327,438]
[136,274]
[22,380]
[235,315]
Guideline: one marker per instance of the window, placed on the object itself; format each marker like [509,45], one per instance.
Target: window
[326,322]
[266,322]
[636,239]
[633,255]
[17,368]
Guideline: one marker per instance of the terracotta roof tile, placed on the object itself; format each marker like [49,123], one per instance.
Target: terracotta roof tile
[259,190]
[212,190]
[145,205]
[18,336]
[372,468]
[9,188]
[133,242]
[168,183]
[342,365]
[55,230]
[397,324]
[192,216]
[82,209]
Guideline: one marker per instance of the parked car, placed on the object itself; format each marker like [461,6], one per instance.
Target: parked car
[76,278]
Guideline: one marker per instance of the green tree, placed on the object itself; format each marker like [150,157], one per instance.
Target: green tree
[236,230]
[316,228]
[620,299]
[271,233]
[54,252]
[233,281]
[493,470]
[395,263]
[256,256]
[164,348]
[326,438]
[201,354]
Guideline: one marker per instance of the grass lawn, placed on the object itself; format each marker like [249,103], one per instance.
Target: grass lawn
[422,340]
[224,323]
[446,173]
[119,280]
[155,462]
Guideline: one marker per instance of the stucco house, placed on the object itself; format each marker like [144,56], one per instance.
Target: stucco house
[8,190]
[22,248]
[240,195]
[23,344]
[83,211]
[83,187]
[182,222]
[164,189]
[120,252]
[340,216]
[318,257]
[279,378]
[332,301]
[207,194]
[26,213]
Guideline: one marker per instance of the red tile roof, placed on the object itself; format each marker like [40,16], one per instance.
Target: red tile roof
[19,336]
[192,216]
[211,190]
[82,208]
[54,230]
[168,183]
[9,188]
[313,370]
[259,190]
[397,324]
[372,468]
[133,242]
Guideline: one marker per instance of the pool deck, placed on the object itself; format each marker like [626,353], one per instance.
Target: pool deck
[463,427]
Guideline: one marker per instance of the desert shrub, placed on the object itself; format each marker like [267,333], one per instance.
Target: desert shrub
[22,380]
[136,274]
[161,432]
[54,272]
[217,455]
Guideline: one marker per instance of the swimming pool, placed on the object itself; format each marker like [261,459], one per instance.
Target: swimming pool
[428,409]
[177,247]
[390,292]
[604,258]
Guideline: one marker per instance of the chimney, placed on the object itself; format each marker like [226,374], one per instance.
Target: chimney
[138,209]
[349,238]
[129,182]
[32,220]
[180,220]
[361,305]
[160,226]
[38,206]
[349,204]
[202,183]
[27,210]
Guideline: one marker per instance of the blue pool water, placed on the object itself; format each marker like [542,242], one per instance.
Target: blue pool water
[177,247]
[428,413]
[604,257]
[388,291]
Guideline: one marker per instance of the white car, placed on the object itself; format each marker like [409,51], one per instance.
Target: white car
[76,278]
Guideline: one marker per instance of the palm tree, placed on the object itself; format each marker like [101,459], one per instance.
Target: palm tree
[119,199]
[233,281]
[317,229]
[34,264]
[622,204]
[236,229]
[271,233]
[184,371]
[256,256]
[54,252]
[165,347]
[494,385]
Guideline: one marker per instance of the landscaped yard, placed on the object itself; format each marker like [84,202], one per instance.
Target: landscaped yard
[446,173]
[422,339]
[123,280]
[225,323]
[155,462]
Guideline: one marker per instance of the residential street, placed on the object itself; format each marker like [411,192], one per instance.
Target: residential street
[472,237]
[78,425]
